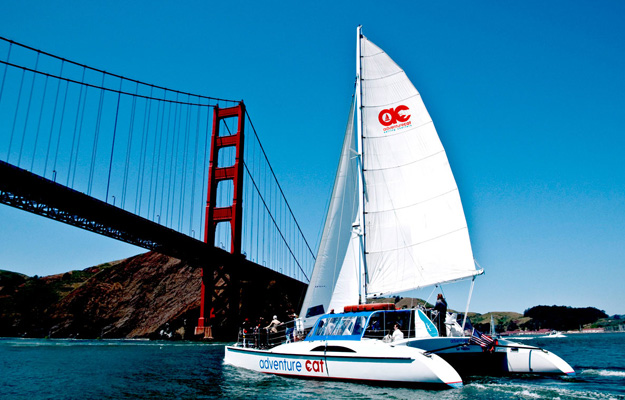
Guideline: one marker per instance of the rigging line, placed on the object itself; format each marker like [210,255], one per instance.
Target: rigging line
[30,98]
[274,221]
[71,154]
[17,108]
[58,85]
[43,98]
[4,74]
[101,87]
[265,155]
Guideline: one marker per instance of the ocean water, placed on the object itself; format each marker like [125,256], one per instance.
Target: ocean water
[126,369]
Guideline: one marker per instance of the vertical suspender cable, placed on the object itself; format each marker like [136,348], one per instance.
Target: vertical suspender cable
[58,140]
[56,101]
[43,100]
[94,151]
[71,153]
[17,108]
[30,98]
[82,119]
[108,181]
[131,130]
[4,74]
[147,114]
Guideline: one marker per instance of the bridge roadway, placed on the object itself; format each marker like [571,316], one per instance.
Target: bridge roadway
[27,191]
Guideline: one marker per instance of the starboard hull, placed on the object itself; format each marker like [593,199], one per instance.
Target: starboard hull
[369,362]
[504,358]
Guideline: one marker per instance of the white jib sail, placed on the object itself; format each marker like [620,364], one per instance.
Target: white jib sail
[334,282]
[415,229]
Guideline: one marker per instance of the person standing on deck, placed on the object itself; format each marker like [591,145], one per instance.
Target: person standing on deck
[441,307]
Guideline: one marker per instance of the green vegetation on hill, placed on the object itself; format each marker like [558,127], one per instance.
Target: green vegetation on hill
[561,318]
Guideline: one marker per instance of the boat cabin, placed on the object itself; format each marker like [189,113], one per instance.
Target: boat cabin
[377,324]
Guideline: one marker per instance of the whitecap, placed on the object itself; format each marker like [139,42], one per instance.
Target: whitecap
[604,372]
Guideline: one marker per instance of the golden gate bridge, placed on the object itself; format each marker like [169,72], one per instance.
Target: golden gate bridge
[178,173]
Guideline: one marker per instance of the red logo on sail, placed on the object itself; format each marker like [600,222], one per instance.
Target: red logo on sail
[391,116]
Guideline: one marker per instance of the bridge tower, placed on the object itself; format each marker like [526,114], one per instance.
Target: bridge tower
[220,298]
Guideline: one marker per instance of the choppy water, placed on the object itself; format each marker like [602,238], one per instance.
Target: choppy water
[118,369]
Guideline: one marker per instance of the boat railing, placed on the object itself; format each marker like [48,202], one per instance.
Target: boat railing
[267,338]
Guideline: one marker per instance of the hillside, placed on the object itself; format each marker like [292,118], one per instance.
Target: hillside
[146,296]
[155,296]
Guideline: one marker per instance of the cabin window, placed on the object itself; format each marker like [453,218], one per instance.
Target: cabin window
[381,323]
[341,326]
[316,310]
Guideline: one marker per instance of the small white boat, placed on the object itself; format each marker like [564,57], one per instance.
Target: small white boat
[554,334]
[395,223]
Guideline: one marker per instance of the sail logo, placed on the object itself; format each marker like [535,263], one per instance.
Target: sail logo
[393,118]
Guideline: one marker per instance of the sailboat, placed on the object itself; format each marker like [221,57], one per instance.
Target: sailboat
[395,223]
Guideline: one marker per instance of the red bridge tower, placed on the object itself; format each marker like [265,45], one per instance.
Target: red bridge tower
[217,284]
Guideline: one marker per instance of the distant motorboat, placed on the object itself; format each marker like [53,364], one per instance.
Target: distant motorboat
[554,334]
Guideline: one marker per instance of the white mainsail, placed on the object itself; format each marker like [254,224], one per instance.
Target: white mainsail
[415,230]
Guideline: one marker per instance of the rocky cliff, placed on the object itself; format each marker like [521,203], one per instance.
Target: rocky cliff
[146,296]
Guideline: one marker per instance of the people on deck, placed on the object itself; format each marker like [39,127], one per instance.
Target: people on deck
[273,325]
[290,336]
[397,333]
[441,307]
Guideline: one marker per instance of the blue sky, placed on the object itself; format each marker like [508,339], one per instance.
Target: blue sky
[528,98]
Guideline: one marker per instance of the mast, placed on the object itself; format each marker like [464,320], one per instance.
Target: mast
[359,225]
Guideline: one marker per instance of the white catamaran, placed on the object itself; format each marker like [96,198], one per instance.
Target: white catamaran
[395,223]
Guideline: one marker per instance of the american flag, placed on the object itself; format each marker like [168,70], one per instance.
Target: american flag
[484,341]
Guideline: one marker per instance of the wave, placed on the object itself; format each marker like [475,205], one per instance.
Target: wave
[527,391]
[604,372]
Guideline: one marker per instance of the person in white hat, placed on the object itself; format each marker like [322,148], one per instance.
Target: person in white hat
[273,325]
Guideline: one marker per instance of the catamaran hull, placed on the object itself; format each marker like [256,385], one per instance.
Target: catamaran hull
[375,363]
[505,358]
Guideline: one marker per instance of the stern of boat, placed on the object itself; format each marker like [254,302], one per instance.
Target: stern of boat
[526,359]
